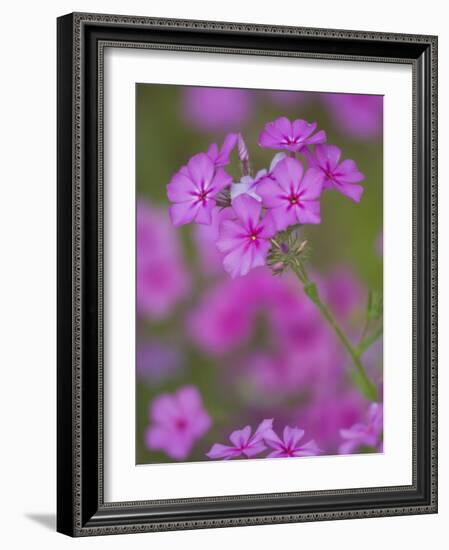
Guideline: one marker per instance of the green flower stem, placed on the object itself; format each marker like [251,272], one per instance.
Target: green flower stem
[365,384]
[369,340]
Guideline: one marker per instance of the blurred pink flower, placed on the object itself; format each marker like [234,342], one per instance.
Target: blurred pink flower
[329,411]
[293,196]
[340,176]
[246,240]
[162,277]
[193,188]
[360,116]
[291,136]
[368,433]
[178,421]
[210,259]
[212,109]
[242,442]
[343,292]
[289,445]
[223,319]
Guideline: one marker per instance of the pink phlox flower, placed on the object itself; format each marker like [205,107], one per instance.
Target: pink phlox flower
[292,136]
[246,240]
[289,445]
[193,188]
[364,434]
[242,442]
[221,157]
[292,196]
[341,176]
[178,421]
[248,185]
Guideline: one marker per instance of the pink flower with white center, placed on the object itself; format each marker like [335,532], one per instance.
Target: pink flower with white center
[179,420]
[246,240]
[367,434]
[289,445]
[341,176]
[193,188]
[243,442]
[293,195]
[221,157]
[292,136]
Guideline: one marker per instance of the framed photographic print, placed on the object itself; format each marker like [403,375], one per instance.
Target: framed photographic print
[247,288]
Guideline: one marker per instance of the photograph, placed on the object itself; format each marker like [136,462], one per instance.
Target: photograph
[259,273]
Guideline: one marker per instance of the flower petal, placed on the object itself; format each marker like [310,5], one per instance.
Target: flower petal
[262,428]
[226,149]
[220,180]
[319,137]
[240,438]
[254,449]
[222,451]
[302,129]
[201,169]
[292,436]
[347,172]
[309,449]
[163,409]
[312,184]
[352,191]
[232,261]
[309,212]
[181,188]
[271,193]
[204,212]
[248,210]
[189,399]
[277,157]
[272,440]
[231,236]
[327,156]
[183,212]
[288,174]
[283,216]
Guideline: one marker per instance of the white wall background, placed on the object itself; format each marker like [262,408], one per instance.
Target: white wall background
[28,267]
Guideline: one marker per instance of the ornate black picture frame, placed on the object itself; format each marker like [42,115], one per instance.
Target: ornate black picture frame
[81,510]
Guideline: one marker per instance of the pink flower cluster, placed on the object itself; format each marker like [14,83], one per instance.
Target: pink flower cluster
[179,420]
[286,194]
[298,351]
[265,438]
